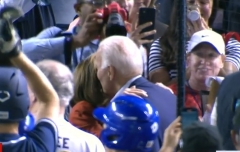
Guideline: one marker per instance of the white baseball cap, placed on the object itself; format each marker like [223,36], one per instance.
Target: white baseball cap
[207,36]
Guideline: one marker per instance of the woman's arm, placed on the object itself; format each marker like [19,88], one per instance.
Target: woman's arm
[157,70]
[232,61]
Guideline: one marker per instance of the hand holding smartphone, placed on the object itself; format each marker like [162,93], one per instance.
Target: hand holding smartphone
[147,15]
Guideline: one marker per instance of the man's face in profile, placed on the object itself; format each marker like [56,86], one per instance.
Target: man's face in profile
[103,73]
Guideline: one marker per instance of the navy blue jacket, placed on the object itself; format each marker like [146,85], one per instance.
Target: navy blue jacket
[163,100]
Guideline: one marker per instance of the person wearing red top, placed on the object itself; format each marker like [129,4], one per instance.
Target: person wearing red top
[87,96]
[192,98]
[206,54]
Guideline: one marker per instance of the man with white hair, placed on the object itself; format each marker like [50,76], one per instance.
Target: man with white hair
[70,138]
[119,66]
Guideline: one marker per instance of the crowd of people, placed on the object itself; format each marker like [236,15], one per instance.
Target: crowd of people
[79,90]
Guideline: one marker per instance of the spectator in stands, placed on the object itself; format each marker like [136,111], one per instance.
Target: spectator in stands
[69,137]
[227,101]
[197,137]
[163,53]
[88,95]
[205,58]
[130,124]
[15,103]
[119,66]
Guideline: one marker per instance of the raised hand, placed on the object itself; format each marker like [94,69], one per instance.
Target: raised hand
[135,92]
[9,38]
[138,37]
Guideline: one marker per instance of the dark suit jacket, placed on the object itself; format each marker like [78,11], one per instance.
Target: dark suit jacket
[163,100]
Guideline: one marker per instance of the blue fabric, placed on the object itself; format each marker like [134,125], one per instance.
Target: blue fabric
[164,102]
[43,138]
[26,125]
[46,46]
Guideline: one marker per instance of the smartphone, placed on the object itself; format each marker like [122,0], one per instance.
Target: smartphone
[204,100]
[147,15]
[188,116]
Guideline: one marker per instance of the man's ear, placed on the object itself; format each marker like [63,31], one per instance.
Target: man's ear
[111,72]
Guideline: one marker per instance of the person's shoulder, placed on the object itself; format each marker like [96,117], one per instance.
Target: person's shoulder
[150,87]
[44,135]
[92,143]
[156,46]
[156,42]
[19,144]
[89,143]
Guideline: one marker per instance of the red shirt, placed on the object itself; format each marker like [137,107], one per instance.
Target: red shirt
[81,117]
[192,98]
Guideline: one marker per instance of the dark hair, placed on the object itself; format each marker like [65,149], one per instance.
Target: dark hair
[169,41]
[87,86]
[201,137]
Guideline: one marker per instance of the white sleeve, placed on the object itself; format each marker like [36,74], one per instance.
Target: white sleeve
[233,52]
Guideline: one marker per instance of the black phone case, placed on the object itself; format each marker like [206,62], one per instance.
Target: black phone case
[147,15]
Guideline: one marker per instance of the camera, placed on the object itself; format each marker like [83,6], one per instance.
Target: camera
[113,19]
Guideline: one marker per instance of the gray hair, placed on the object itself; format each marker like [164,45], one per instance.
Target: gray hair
[122,53]
[60,77]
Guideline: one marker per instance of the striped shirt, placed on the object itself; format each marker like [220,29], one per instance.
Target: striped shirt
[155,62]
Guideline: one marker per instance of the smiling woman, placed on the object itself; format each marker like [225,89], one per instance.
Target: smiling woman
[206,57]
